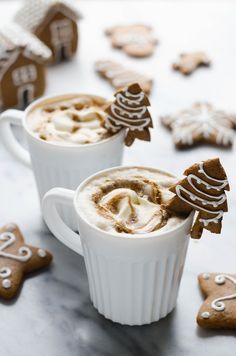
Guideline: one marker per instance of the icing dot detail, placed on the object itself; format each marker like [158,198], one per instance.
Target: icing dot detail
[6,283]
[206,315]
[220,279]
[206,276]
[42,253]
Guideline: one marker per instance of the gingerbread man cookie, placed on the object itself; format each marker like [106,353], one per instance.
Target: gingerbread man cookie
[219,308]
[129,111]
[17,259]
[201,124]
[189,62]
[203,190]
[134,40]
[120,76]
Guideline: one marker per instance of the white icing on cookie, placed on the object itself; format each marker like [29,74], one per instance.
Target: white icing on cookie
[123,101]
[223,182]
[42,253]
[129,38]
[206,276]
[5,272]
[135,40]
[193,198]
[218,304]
[201,120]
[9,239]
[205,315]
[6,283]
[120,76]
[127,111]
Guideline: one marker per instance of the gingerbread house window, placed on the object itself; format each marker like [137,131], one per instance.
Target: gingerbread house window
[61,31]
[24,74]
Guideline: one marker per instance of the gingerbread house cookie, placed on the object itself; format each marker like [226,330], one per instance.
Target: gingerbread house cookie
[22,67]
[54,22]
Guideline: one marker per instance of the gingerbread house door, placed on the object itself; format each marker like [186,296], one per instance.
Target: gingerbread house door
[23,78]
[61,38]
[25,94]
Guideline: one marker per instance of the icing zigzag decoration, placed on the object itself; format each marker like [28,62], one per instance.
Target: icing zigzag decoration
[129,111]
[203,190]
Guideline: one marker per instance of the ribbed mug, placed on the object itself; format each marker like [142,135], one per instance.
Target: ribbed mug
[134,279]
[56,165]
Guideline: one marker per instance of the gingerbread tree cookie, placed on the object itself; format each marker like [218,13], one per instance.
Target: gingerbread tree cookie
[203,190]
[219,309]
[17,259]
[201,124]
[189,62]
[129,111]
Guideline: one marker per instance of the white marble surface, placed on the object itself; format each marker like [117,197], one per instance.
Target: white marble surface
[53,314]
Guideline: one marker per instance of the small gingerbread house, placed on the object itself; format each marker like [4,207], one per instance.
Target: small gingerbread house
[54,22]
[22,67]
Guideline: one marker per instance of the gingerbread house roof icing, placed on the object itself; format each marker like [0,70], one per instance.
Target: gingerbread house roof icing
[14,39]
[35,12]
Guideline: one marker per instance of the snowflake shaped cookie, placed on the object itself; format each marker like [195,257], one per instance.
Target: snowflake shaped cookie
[199,124]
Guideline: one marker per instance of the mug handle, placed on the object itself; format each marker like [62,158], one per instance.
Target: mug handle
[14,117]
[53,220]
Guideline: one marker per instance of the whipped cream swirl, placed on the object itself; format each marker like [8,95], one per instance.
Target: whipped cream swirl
[76,121]
[130,212]
[129,200]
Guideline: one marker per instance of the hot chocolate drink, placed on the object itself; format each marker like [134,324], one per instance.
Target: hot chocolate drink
[128,200]
[70,120]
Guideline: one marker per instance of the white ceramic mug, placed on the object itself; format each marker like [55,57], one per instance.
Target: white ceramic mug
[132,280]
[57,165]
